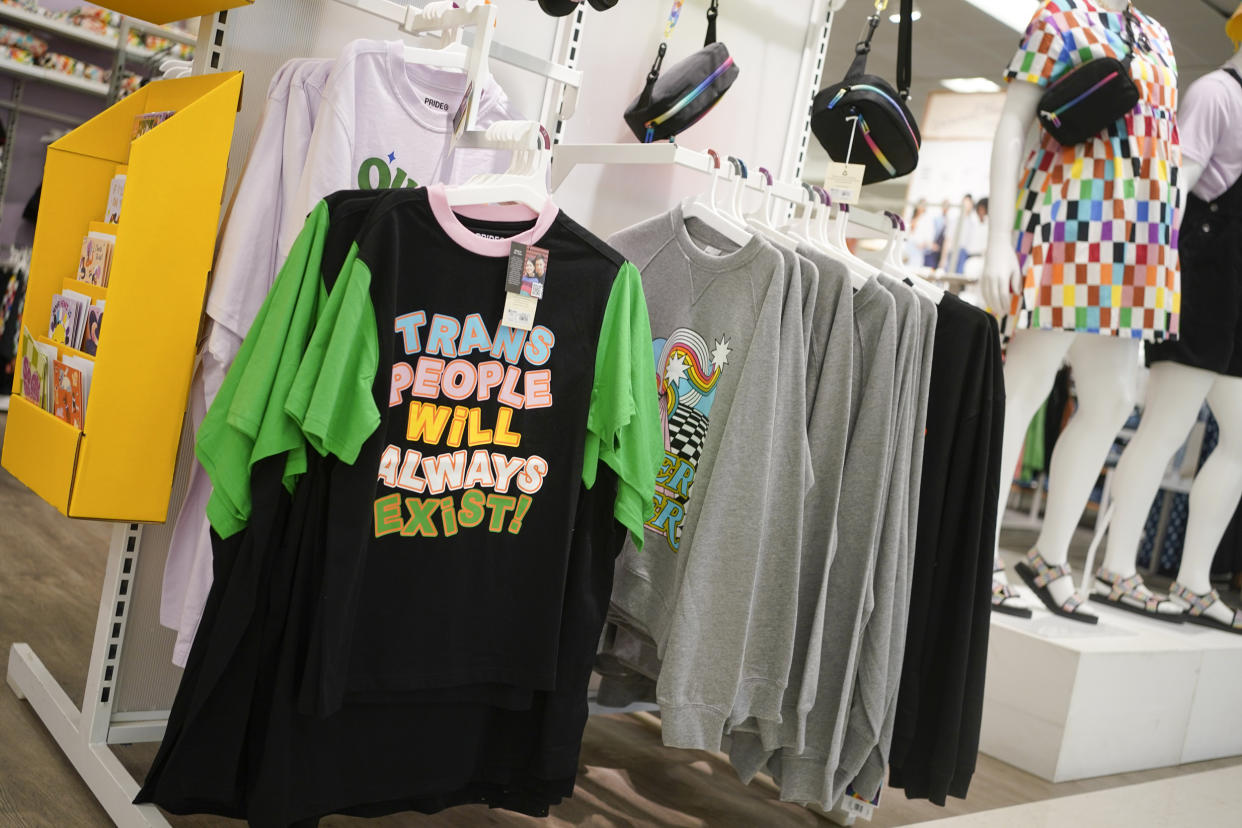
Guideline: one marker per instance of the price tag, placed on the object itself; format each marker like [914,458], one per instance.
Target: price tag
[519,311]
[462,116]
[858,808]
[525,282]
[844,182]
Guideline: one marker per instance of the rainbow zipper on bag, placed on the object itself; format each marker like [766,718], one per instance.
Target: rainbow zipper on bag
[842,92]
[684,102]
[875,148]
[1054,117]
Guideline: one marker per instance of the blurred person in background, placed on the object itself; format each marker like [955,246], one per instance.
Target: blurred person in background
[920,234]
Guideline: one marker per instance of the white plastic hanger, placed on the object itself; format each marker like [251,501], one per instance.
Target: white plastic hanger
[761,218]
[437,30]
[803,228]
[709,213]
[739,186]
[894,264]
[526,180]
[896,240]
[831,238]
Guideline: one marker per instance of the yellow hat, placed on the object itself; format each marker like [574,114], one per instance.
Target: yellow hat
[1234,27]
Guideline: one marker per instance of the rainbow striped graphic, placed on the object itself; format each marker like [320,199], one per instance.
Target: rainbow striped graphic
[703,381]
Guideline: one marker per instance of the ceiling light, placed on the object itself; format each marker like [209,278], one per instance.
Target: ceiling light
[896,18]
[969,85]
[1015,14]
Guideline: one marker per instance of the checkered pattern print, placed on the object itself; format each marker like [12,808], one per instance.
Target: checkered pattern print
[687,430]
[1097,223]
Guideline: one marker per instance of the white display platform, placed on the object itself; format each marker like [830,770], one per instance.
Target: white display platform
[1066,700]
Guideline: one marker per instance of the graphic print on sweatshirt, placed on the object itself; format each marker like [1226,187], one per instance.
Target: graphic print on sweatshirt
[687,373]
[460,468]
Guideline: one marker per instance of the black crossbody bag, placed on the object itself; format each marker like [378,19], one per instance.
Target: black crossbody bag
[675,101]
[863,119]
[1092,96]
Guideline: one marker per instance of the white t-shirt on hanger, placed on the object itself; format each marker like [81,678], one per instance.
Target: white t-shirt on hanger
[247,251]
[386,123]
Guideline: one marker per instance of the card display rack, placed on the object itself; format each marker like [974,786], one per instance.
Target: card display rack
[120,465]
[166,11]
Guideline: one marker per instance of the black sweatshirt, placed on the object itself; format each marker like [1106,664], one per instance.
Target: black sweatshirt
[936,735]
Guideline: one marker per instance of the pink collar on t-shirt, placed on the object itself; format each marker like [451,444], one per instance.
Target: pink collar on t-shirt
[498,248]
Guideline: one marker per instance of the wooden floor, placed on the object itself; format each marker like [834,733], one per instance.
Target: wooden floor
[51,570]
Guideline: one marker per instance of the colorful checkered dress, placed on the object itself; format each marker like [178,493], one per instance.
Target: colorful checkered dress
[1096,223]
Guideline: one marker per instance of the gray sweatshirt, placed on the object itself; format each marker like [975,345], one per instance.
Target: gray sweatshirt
[772,614]
[727,619]
[693,586]
[869,706]
[871,776]
[705,308]
[829,392]
[824,700]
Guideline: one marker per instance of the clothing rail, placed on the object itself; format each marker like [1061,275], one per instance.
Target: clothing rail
[567,156]
[863,223]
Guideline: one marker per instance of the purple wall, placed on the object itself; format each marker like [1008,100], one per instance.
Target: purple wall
[26,169]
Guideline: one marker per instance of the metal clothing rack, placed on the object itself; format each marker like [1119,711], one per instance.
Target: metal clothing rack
[85,734]
[787,186]
[130,679]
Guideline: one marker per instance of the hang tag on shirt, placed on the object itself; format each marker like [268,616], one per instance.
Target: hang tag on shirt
[462,116]
[858,808]
[525,281]
[844,182]
[853,803]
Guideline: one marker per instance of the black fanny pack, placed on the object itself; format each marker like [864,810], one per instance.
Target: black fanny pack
[675,101]
[863,119]
[1092,96]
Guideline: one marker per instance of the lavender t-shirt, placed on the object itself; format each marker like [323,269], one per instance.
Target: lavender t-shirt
[1210,122]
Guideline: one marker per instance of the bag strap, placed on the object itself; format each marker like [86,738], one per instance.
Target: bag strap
[1135,43]
[674,14]
[905,46]
[863,48]
[1234,73]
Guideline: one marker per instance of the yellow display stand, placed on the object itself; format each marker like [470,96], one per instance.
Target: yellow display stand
[166,11]
[120,465]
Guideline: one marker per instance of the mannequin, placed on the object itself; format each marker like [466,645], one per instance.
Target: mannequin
[1175,392]
[1105,366]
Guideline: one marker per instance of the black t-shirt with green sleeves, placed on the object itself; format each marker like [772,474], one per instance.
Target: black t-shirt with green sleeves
[449,557]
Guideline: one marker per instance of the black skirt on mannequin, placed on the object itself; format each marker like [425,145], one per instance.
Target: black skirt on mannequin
[1210,246]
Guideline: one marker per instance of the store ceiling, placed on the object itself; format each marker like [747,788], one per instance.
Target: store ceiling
[954,39]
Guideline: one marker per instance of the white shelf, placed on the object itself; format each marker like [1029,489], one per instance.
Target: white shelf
[567,156]
[51,76]
[62,28]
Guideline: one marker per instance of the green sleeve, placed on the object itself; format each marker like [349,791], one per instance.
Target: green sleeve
[229,436]
[331,398]
[624,420]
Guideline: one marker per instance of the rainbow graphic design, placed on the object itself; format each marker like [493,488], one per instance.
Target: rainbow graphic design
[687,373]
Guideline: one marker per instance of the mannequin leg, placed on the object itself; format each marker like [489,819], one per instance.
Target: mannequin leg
[1215,494]
[1104,376]
[1031,364]
[1174,395]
